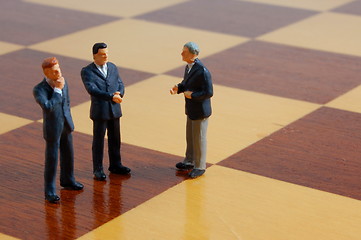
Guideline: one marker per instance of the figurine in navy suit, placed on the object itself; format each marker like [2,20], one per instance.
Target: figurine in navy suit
[197,89]
[102,81]
[53,97]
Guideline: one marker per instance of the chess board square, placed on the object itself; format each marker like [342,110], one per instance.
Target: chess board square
[10,122]
[284,71]
[82,121]
[230,204]
[21,186]
[139,45]
[354,7]
[231,17]
[6,47]
[118,8]
[32,23]
[305,4]
[154,119]
[333,32]
[348,101]
[6,237]
[21,71]
[321,150]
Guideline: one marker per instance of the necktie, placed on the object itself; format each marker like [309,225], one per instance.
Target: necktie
[103,70]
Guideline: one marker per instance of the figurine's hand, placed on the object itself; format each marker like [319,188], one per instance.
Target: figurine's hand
[117,98]
[188,94]
[59,83]
[174,90]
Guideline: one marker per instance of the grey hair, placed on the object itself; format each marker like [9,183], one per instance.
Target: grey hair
[192,47]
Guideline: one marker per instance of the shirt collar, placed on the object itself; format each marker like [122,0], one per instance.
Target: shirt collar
[98,66]
[50,82]
[190,65]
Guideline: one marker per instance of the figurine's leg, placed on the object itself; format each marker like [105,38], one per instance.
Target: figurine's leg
[189,139]
[99,128]
[51,162]
[115,160]
[200,143]
[66,159]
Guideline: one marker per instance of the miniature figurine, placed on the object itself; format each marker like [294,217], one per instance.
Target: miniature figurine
[197,89]
[102,81]
[53,97]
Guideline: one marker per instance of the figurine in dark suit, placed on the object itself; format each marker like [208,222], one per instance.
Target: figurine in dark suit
[53,97]
[197,89]
[102,81]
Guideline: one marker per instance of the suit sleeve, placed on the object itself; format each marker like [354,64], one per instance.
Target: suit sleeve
[66,89]
[207,87]
[181,87]
[46,104]
[89,82]
[121,88]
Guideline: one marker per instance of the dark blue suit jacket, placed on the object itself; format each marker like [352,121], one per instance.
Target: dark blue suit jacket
[101,90]
[55,112]
[199,81]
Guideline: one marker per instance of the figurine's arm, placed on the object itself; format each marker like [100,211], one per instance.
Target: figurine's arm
[92,88]
[174,89]
[178,88]
[207,87]
[46,104]
[66,89]
[121,88]
[118,95]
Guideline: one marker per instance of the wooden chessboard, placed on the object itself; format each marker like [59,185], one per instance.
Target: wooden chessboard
[284,140]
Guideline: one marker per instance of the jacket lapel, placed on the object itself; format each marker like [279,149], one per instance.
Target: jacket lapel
[47,86]
[193,70]
[97,71]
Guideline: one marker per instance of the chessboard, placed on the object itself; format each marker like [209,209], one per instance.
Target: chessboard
[284,139]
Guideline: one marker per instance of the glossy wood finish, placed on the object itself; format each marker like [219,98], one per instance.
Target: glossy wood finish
[31,23]
[321,150]
[26,215]
[23,68]
[353,7]
[294,172]
[232,204]
[284,71]
[231,17]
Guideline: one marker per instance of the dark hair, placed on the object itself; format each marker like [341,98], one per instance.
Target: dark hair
[49,62]
[98,46]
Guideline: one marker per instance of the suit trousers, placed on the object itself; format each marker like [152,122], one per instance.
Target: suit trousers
[65,143]
[113,132]
[196,137]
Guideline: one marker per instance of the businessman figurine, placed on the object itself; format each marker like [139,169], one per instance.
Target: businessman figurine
[197,89]
[53,97]
[102,81]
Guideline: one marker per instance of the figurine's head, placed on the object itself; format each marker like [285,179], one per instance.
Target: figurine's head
[51,68]
[190,52]
[100,53]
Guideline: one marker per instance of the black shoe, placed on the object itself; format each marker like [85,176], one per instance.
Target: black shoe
[120,170]
[52,198]
[100,176]
[184,166]
[196,173]
[73,186]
